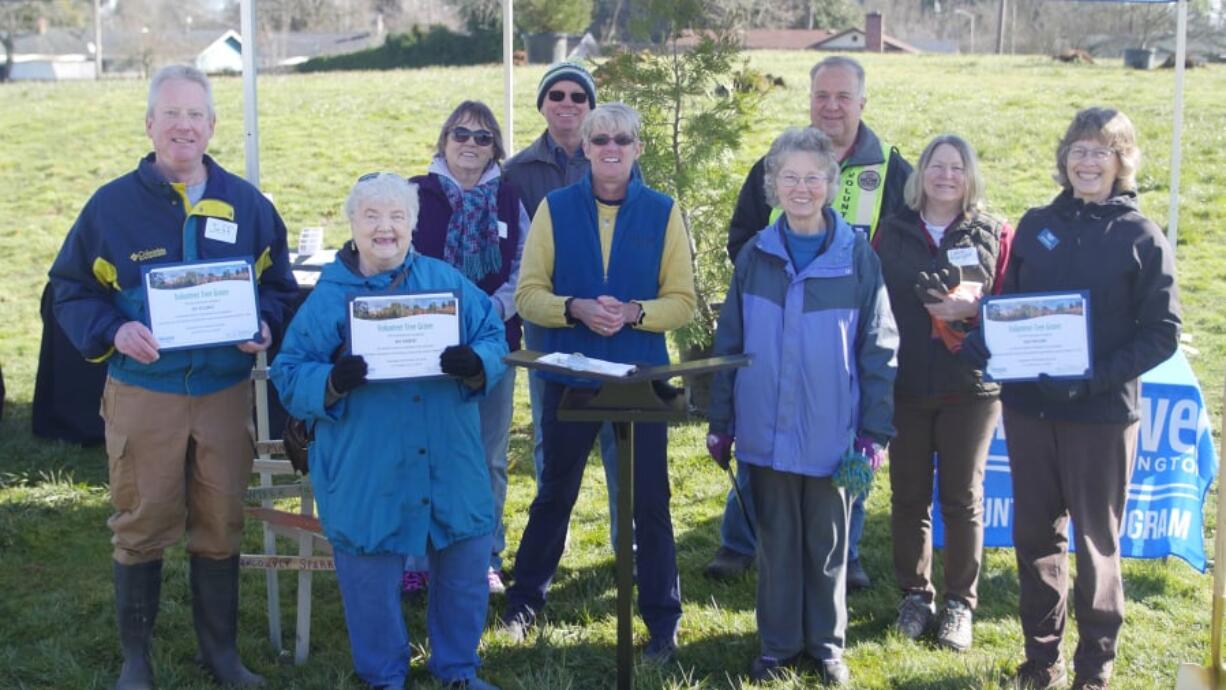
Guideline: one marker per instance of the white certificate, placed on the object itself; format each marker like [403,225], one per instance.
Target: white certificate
[401,335]
[1041,333]
[203,303]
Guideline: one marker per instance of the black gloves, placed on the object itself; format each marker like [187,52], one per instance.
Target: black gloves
[974,352]
[348,373]
[460,361]
[943,281]
[1063,390]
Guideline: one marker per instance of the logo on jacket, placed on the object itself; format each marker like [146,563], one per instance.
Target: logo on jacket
[868,180]
[1048,239]
[146,254]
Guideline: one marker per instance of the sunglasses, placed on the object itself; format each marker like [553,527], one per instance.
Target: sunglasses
[578,97]
[619,139]
[481,137]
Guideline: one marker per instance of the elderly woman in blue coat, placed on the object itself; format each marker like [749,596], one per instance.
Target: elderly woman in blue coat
[397,466]
[807,302]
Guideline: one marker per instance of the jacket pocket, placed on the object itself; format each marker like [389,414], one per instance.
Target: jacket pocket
[125,494]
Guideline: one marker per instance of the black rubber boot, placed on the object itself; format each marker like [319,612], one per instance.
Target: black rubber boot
[137,590]
[214,586]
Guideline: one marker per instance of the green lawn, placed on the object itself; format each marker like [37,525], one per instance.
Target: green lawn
[319,132]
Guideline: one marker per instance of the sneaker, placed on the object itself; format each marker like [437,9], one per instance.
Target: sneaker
[954,629]
[728,564]
[914,616]
[857,579]
[660,650]
[1034,675]
[833,672]
[1082,683]
[414,582]
[494,578]
[516,623]
[767,668]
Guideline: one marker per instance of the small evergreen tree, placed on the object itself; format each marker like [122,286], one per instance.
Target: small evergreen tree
[696,106]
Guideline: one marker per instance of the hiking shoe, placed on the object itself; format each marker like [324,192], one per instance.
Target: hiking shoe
[857,579]
[833,672]
[767,668]
[414,583]
[494,578]
[517,622]
[1034,675]
[914,616]
[728,564]
[954,626]
[660,650]
[1082,683]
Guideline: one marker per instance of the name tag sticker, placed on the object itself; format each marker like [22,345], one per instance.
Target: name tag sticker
[963,256]
[502,230]
[221,230]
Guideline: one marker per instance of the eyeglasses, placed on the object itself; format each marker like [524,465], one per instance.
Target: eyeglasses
[576,97]
[481,137]
[950,170]
[619,139]
[789,181]
[1078,153]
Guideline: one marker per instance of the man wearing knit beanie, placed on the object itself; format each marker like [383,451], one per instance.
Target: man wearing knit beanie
[565,95]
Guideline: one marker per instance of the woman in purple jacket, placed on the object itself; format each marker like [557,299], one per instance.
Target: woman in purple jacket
[807,302]
[474,220]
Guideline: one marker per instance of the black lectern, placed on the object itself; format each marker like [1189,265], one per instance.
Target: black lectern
[625,400]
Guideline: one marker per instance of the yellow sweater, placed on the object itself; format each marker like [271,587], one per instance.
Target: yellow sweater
[536,301]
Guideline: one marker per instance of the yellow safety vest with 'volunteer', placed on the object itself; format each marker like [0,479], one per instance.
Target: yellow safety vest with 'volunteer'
[860,193]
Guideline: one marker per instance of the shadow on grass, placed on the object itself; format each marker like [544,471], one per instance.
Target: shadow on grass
[28,459]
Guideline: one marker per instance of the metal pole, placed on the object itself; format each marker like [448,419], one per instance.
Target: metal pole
[97,39]
[251,127]
[1181,50]
[624,431]
[508,68]
[1000,27]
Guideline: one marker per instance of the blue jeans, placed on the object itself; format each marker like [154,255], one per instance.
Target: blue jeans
[496,410]
[567,445]
[734,531]
[608,448]
[455,614]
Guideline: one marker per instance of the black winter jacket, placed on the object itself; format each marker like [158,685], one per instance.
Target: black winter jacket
[925,366]
[1124,261]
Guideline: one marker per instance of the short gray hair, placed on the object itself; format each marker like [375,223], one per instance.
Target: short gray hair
[615,117]
[179,73]
[972,200]
[801,140]
[381,186]
[842,62]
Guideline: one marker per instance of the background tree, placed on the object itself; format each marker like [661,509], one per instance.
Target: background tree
[553,16]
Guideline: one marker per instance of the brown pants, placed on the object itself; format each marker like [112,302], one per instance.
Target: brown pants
[1065,470]
[177,462]
[959,435]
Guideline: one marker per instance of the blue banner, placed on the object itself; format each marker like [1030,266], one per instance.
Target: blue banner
[1176,462]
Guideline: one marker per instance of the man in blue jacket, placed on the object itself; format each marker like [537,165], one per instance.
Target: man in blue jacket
[179,434]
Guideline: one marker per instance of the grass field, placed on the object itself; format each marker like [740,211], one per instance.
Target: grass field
[318,133]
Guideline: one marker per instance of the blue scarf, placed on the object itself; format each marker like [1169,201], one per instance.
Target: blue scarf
[472,244]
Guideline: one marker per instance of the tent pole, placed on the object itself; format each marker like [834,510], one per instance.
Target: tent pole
[251,127]
[508,68]
[1181,50]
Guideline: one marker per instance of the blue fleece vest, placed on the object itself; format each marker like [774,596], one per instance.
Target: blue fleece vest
[634,269]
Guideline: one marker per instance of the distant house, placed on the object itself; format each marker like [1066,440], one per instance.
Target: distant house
[52,54]
[871,38]
[224,54]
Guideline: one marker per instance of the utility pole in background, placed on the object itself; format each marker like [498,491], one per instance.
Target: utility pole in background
[97,39]
[1000,27]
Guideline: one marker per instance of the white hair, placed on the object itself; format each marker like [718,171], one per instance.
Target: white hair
[382,186]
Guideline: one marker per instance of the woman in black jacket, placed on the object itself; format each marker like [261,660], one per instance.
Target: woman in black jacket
[942,406]
[1072,442]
